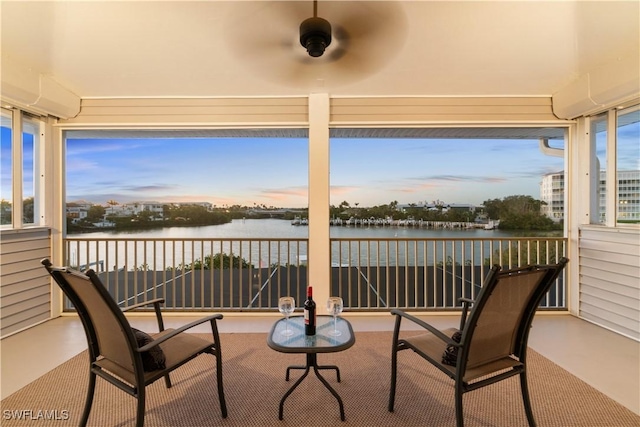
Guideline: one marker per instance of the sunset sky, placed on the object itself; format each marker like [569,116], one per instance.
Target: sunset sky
[274,171]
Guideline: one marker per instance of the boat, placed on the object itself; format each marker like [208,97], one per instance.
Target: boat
[492,224]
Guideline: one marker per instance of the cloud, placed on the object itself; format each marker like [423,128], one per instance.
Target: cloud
[459,178]
[282,195]
[83,146]
[342,189]
[149,188]
[416,188]
[535,171]
[100,198]
[81,165]
[293,191]
[629,157]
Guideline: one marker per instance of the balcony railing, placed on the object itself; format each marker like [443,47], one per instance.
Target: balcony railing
[432,274]
[251,274]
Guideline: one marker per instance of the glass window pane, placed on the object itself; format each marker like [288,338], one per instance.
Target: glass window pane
[599,144]
[148,182]
[29,172]
[448,180]
[628,165]
[6,187]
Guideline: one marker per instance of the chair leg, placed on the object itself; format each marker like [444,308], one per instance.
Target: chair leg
[223,403]
[167,381]
[394,362]
[140,411]
[526,399]
[394,373]
[89,401]
[217,353]
[459,414]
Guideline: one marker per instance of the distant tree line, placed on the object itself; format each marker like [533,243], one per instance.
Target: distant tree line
[183,215]
[514,212]
[439,213]
[518,212]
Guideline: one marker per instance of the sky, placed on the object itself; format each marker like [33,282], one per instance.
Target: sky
[274,171]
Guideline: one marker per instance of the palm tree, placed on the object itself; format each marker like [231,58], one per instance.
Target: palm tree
[112,203]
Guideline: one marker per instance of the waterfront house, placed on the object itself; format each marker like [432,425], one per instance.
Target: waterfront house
[548,70]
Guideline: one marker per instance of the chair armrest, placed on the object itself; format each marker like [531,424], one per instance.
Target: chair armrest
[423,324]
[155,301]
[466,303]
[181,329]
[156,307]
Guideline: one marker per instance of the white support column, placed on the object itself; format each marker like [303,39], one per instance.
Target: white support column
[17,197]
[55,202]
[319,257]
[612,169]
[594,172]
[582,187]
[39,179]
[577,202]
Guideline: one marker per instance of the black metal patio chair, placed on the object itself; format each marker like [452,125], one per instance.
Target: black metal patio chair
[123,356]
[491,342]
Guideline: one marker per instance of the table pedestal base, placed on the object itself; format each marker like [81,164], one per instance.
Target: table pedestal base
[312,362]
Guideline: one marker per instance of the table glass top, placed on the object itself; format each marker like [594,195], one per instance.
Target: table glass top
[321,342]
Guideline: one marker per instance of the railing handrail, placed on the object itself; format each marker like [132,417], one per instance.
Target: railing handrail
[181,239]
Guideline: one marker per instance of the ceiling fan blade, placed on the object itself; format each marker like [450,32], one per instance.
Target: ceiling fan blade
[374,24]
[265,35]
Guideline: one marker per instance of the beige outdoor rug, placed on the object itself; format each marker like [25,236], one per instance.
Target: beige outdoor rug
[254,384]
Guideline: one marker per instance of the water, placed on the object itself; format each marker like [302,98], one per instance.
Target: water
[278,228]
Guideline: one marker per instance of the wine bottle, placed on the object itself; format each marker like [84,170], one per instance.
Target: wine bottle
[310,313]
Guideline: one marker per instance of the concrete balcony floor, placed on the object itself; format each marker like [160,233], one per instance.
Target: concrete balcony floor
[605,360]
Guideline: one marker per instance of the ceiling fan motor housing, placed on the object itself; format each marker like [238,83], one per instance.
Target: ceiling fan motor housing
[315,35]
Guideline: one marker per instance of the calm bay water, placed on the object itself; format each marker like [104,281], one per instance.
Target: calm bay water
[277,228]
[155,254]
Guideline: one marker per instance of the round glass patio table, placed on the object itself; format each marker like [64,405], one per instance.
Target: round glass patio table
[311,345]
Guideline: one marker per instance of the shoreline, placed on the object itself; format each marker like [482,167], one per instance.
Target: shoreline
[404,227]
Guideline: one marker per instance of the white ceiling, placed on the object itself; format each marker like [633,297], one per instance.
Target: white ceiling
[250,48]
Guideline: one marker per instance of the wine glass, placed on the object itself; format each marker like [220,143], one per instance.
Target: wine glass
[286,305]
[334,307]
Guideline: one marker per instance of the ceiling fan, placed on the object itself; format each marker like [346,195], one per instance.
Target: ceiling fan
[340,43]
[315,33]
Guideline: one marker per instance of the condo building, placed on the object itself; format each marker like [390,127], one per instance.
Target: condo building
[627,195]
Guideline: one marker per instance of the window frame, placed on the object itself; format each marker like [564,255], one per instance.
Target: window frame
[19,121]
[609,170]
[624,186]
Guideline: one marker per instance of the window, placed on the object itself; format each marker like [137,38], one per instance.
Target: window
[425,177]
[599,169]
[30,169]
[615,137]
[6,186]
[21,171]
[140,176]
[627,165]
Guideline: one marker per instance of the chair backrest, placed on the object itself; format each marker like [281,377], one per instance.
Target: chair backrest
[499,322]
[108,332]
